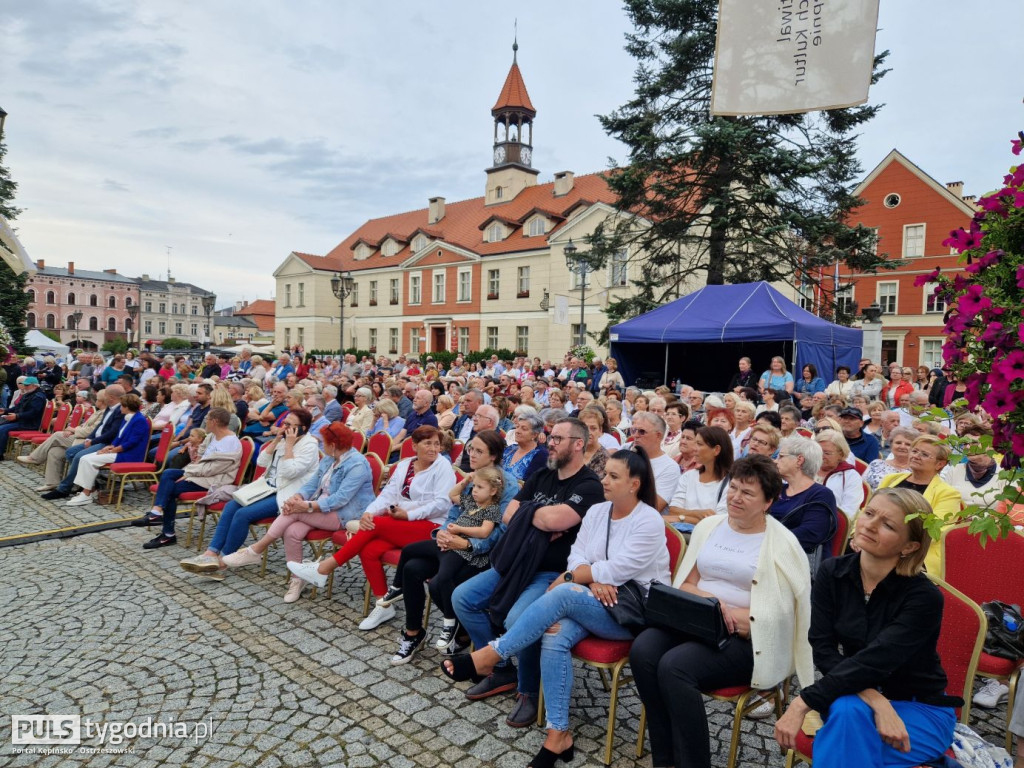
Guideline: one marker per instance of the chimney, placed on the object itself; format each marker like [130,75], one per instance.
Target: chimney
[956,187]
[170,279]
[436,212]
[40,264]
[110,271]
[563,183]
[146,278]
[71,267]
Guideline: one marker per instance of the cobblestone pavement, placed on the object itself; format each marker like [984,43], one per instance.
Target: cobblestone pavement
[95,626]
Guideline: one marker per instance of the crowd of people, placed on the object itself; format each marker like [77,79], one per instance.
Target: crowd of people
[532,493]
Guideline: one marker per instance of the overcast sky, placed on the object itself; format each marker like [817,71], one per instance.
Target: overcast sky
[235,132]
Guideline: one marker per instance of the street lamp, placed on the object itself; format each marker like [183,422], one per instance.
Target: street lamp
[342,286]
[578,264]
[133,313]
[76,318]
[209,301]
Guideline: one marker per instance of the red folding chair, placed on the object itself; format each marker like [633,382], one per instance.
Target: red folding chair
[408,451]
[140,471]
[379,445]
[21,437]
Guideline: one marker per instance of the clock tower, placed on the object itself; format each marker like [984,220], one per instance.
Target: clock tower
[513,139]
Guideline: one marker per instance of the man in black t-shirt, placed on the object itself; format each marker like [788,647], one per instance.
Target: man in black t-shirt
[565,491]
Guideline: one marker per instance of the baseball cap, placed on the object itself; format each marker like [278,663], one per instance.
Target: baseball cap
[31,381]
[852,412]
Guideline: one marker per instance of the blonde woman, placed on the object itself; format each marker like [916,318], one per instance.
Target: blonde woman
[361,418]
[611,378]
[776,377]
[445,412]
[258,371]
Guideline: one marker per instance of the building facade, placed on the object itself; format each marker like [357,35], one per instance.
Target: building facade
[911,214]
[172,310]
[85,308]
[468,275]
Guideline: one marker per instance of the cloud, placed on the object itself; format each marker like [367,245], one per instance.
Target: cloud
[114,186]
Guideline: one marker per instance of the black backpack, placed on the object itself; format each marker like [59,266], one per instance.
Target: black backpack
[1005,637]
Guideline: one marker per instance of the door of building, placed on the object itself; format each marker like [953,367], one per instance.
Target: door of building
[438,339]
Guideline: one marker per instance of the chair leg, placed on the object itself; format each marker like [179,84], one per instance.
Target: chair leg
[737,725]
[540,706]
[191,520]
[604,678]
[612,707]
[426,612]
[790,757]
[1011,697]
[641,730]
[366,599]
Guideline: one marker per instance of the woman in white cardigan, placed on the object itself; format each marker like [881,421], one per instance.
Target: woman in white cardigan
[413,504]
[758,572]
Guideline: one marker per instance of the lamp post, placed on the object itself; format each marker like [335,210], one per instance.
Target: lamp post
[76,318]
[342,285]
[209,301]
[578,264]
[133,313]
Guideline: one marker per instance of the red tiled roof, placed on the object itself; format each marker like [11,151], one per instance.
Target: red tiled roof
[513,93]
[258,307]
[461,225]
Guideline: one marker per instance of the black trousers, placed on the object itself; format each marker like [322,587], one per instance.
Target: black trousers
[670,674]
[422,562]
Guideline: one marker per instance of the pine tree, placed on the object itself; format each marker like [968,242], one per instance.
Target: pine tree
[723,200]
[14,299]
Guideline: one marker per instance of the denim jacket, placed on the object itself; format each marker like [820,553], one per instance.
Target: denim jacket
[480,546]
[351,487]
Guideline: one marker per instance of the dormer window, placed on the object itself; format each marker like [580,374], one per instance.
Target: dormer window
[390,248]
[538,226]
[362,251]
[495,232]
[419,242]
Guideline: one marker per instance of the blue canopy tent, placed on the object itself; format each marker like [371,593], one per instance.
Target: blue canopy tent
[699,338]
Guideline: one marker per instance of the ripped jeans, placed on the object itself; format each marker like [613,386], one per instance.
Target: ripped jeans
[578,614]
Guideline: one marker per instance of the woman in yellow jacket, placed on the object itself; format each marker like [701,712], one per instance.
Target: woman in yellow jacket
[928,456]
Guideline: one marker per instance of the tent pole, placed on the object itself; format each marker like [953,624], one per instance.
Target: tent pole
[666,365]
[792,365]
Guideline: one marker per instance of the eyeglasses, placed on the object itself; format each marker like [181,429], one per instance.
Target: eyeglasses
[784,456]
[475,451]
[759,441]
[640,432]
[557,439]
[919,452]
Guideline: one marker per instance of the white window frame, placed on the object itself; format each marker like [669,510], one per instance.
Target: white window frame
[492,337]
[493,283]
[373,293]
[522,338]
[148,307]
[373,339]
[162,326]
[538,226]
[523,281]
[393,341]
[917,241]
[874,246]
[844,298]
[394,292]
[302,297]
[177,329]
[414,340]
[147,327]
[416,289]
[463,343]
[895,296]
[287,294]
[618,269]
[465,292]
[353,298]
[938,302]
[300,336]
[419,242]
[575,279]
[389,248]
[496,232]
[935,343]
[195,329]
[438,286]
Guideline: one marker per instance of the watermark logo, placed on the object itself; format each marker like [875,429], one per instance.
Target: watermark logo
[46,729]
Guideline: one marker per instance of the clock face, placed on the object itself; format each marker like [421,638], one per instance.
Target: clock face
[499,155]
[526,154]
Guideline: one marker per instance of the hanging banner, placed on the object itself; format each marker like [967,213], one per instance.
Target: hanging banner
[561,311]
[775,57]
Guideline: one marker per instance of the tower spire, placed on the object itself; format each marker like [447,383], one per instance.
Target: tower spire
[515,39]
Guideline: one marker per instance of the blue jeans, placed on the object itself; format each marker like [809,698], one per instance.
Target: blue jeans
[233,526]
[167,491]
[470,600]
[578,614]
[849,736]
[72,456]
[5,429]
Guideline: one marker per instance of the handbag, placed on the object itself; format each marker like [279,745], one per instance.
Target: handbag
[255,491]
[630,600]
[684,613]
[1005,636]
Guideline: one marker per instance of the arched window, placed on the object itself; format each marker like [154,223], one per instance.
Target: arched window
[94,301]
[50,299]
[30,319]
[128,326]
[51,322]
[128,302]
[112,302]
[69,323]
[31,296]
[71,298]
[94,324]
[112,324]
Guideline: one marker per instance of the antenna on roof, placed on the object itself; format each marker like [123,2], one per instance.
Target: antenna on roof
[515,39]
[169,249]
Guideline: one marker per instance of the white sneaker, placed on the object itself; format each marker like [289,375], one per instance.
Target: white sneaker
[242,557]
[27,461]
[307,571]
[377,616]
[990,694]
[81,500]
[44,488]
[765,709]
[200,564]
[295,587]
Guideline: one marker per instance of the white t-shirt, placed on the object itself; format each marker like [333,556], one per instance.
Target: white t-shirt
[609,443]
[226,444]
[666,475]
[691,493]
[727,563]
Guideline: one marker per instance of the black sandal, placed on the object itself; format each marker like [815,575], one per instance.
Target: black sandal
[547,759]
[462,669]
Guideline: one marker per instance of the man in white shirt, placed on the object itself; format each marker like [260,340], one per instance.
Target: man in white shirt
[648,432]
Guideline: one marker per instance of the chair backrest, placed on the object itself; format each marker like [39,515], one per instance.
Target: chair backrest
[992,572]
[379,445]
[617,435]
[457,449]
[63,414]
[346,409]
[866,489]
[842,531]
[163,446]
[376,469]
[860,465]
[407,449]
[258,472]
[676,548]
[78,415]
[804,432]
[358,441]
[47,420]
[248,448]
[459,475]
[961,638]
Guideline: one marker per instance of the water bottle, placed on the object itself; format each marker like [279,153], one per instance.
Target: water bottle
[1010,622]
